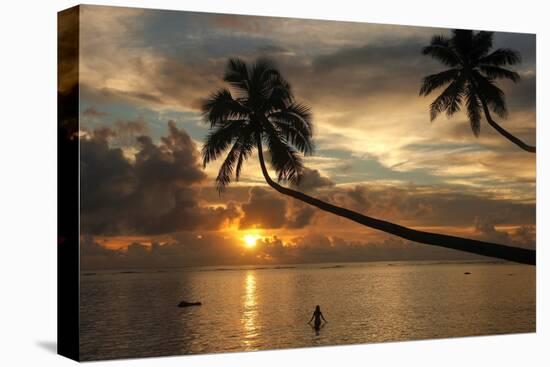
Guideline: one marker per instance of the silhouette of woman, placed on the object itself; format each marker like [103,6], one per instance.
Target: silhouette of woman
[317,315]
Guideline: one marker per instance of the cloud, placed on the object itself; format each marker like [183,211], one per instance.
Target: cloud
[89,248]
[267,209]
[120,133]
[183,249]
[155,193]
[486,229]
[190,249]
[522,96]
[301,216]
[263,210]
[134,72]
[275,51]
[93,112]
[127,130]
[425,205]
[397,57]
[359,195]
[312,179]
[319,248]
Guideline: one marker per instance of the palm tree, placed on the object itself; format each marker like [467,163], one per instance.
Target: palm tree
[260,109]
[470,79]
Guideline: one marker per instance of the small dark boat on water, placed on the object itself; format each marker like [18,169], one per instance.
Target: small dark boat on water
[188,304]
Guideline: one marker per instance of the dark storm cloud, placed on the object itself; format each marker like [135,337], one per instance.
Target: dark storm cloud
[421,205]
[263,210]
[312,179]
[523,95]
[267,209]
[300,216]
[155,193]
[398,56]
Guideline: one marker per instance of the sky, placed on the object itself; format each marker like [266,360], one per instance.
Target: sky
[147,201]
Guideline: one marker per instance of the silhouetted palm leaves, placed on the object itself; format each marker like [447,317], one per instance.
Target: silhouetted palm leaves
[471,78]
[262,109]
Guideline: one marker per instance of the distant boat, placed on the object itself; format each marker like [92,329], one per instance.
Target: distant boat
[188,304]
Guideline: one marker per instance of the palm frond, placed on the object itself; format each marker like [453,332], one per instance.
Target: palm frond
[473,108]
[482,43]
[280,93]
[294,124]
[501,57]
[237,75]
[226,170]
[449,100]
[260,77]
[261,70]
[295,137]
[247,147]
[221,107]
[496,72]
[434,81]
[284,159]
[265,106]
[219,140]
[440,49]
[491,94]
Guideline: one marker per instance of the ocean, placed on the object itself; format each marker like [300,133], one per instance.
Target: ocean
[134,313]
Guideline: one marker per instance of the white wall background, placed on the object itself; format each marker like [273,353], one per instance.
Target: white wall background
[28,182]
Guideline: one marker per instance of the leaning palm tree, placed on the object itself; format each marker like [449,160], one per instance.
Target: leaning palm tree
[471,79]
[260,109]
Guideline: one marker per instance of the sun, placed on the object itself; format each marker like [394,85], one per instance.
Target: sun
[251,239]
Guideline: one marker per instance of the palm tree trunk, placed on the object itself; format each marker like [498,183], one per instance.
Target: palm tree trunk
[520,255]
[504,132]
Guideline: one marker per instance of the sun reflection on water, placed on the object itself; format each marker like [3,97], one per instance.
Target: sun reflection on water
[250,311]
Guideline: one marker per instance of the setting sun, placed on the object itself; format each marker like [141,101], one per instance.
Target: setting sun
[250,240]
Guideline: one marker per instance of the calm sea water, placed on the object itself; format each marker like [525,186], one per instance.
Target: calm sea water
[134,314]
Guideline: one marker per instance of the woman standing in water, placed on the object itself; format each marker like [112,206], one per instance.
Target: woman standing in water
[317,315]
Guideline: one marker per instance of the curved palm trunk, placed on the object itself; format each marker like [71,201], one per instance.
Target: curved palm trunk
[505,133]
[520,255]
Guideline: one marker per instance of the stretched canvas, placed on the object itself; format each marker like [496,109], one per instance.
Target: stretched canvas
[243,183]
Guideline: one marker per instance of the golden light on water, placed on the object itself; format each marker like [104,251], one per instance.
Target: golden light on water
[250,311]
